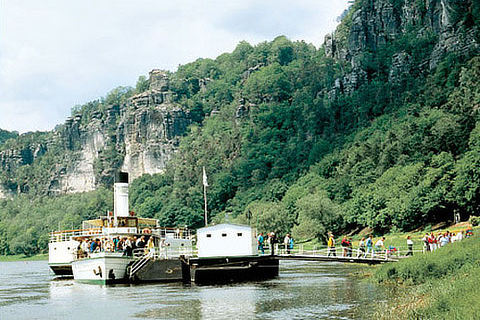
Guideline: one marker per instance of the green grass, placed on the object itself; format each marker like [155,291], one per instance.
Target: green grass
[439,285]
[21,257]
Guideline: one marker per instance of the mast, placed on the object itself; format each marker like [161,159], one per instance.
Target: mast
[205,185]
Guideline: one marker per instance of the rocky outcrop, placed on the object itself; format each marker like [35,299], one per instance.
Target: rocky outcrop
[379,22]
[138,136]
[144,132]
[11,159]
[150,132]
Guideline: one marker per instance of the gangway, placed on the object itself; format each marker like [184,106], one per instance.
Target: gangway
[323,254]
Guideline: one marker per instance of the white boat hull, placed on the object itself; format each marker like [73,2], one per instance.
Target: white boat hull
[102,268]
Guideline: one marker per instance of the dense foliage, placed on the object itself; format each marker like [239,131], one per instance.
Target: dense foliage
[286,150]
[25,221]
[5,135]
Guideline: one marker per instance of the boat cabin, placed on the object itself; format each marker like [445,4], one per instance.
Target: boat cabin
[226,240]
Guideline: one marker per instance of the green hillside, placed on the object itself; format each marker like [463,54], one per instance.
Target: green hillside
[5,135]
[288,149]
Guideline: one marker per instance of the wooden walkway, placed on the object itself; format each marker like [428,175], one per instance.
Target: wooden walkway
[322,254]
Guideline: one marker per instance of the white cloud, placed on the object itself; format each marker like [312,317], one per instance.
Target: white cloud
[55,54]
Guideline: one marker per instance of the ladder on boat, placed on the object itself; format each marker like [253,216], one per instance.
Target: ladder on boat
[137,266]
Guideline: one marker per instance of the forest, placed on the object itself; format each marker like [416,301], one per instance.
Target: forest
[285,150]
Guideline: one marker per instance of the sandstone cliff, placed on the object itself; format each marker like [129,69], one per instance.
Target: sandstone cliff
[377,23]
[139,136]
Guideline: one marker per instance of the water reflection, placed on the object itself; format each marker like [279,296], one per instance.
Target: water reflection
[304,290]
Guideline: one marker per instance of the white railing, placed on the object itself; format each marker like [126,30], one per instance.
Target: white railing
[66,235]
[164,252]
[340,252]
[161,232]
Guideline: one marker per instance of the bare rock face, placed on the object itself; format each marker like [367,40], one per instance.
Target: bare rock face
[379,22]
[143,133]
[150,133]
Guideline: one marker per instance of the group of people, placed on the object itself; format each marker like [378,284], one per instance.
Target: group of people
[271,240]
[432,242]
[127,245]
[365,247]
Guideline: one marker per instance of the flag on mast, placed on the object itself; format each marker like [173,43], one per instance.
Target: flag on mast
[205,183]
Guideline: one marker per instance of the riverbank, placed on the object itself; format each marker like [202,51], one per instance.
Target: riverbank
[21,257]
[438,285]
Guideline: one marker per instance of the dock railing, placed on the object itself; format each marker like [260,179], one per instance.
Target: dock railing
[340,252]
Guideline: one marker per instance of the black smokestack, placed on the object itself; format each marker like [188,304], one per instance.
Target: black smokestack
[121,177]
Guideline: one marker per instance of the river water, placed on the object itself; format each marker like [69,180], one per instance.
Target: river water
[303,290]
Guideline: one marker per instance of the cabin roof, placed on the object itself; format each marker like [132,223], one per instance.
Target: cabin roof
[222,226]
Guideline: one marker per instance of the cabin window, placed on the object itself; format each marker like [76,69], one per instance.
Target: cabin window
[239,234]
[224,234]
[209,235]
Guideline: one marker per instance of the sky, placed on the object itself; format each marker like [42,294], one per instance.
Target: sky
[55,54]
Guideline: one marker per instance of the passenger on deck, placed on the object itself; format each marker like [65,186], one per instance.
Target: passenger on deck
[99,245]
[163,249]
[84,246]
[150,249]
[115,243]
[134,243]
[127,247]
[93,246]
[119,246]
[107,245]
[141,242]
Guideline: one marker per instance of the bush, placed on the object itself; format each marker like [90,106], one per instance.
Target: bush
[474,220]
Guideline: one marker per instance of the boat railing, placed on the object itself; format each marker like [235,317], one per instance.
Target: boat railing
[164,252]
[172,233]
[66,235]
[162,232]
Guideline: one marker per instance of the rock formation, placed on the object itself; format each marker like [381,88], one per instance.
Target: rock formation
[138,136]
[379,22]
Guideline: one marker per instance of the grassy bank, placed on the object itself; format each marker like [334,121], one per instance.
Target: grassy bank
[439,285]
[21,257]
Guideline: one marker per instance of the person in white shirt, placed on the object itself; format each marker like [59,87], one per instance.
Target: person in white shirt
[410,246]
[379,245]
